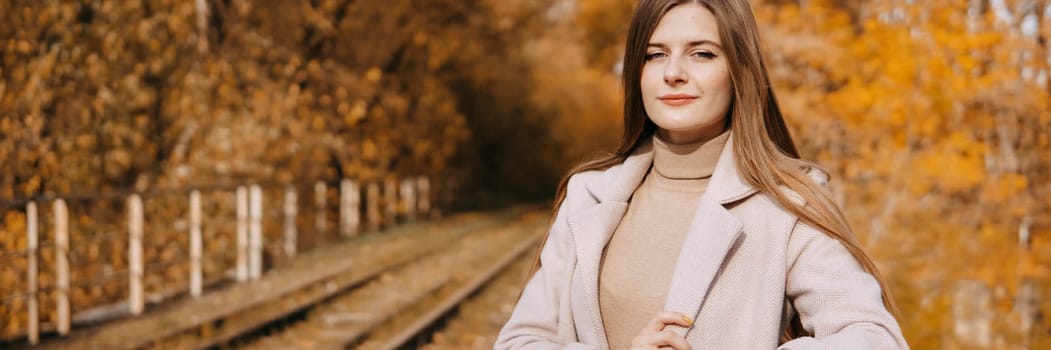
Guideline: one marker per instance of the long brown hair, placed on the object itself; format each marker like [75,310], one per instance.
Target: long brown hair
[765,154]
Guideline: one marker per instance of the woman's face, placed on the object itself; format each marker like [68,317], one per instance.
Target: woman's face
[686,86]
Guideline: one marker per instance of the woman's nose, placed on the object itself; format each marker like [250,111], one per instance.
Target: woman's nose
[674,73]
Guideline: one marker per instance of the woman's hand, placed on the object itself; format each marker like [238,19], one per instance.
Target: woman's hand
[653,336]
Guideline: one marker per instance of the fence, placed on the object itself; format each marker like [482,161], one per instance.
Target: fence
[120,260]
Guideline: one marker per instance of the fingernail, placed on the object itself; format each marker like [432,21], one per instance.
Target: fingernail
[689,321]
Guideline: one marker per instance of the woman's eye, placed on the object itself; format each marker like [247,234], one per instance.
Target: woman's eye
[704,54]
[654,55]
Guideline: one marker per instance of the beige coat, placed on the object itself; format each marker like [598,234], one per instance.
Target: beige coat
[742,258]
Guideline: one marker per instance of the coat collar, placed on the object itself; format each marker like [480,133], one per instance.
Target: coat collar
[711,237]
[619,182]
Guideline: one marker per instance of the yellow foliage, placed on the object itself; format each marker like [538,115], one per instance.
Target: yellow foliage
[1004,187]
[938,139]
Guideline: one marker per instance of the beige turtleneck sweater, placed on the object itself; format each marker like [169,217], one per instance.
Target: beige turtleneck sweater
[640,258]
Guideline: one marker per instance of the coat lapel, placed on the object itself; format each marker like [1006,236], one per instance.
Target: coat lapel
[710,239]
[591,231]
[592,223]
[711,236]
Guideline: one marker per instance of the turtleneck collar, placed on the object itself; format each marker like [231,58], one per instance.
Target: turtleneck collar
[687,161]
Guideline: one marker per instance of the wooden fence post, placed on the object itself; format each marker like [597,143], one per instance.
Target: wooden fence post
[320,218]
[355,208]
[408,198]
[62,265]
[242,234]
[438,197]
[423,185]
[255,233]
[390,201]
[136,302]
[32,241]
[372,206]
[1023,232]
[290,220]
[349,206]
[195,244]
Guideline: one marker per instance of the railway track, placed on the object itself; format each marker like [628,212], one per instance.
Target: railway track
[474,324]
[395,292]
[426,290]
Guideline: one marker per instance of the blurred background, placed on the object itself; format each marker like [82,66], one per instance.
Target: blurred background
[934,118]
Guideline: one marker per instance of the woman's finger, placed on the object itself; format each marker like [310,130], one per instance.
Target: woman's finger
[668,338]
[664,318]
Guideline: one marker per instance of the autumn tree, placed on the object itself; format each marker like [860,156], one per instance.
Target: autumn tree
[99,98]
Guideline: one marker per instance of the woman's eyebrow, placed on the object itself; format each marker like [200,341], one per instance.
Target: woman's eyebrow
[689,44]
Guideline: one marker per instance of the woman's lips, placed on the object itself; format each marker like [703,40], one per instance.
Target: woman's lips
[677,99]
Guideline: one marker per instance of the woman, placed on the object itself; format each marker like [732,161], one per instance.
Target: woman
[704,230]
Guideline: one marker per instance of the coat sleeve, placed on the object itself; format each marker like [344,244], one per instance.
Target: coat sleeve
[538,320]
[838,301]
